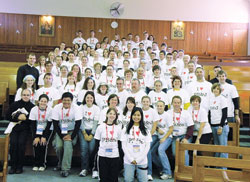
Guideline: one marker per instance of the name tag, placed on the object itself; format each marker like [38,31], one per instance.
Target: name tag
[39,129]
[176,132]
[64,128]
[108,151]
[136,148]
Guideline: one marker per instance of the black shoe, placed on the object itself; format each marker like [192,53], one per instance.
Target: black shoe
[19,171]
[12,171]
[65,173]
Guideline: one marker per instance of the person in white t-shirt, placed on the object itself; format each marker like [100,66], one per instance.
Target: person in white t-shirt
[126,115]
[137,92]
[41,67]
[164,131]
[201,87]
[62,79]
[202,131]
[51,92]
[136,144]
[48,66]
[121,92]
[218,118]
[29,82]
[88,85]
[79,40]
[107,136]
[190,76]
[92,40]
[109,78]
[157,94]
[66,121]
[230,92]
[151,119]
[40,117]
[183,125]
[91,113]
[102,95]
[178,90]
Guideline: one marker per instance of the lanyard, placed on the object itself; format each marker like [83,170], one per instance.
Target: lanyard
[111,132]
[195,116]
[177,118]
[43,116]
[136,132]
[67,114]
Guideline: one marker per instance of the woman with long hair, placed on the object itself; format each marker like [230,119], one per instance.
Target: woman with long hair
[126,115]
[136,144]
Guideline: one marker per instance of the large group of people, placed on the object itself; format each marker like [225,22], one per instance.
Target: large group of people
[126,101]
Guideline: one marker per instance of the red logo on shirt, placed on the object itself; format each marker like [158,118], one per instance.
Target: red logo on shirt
[47,93]
[214,102]
[196,115]
[146,116]
[178,118]
[160,120]
[112,132]
[137,133]
[191,77]
[89,113]
[201,88]
[184,73]
[159,98]
[43,116]
[72,90]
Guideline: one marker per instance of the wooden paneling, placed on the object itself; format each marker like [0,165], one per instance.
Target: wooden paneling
[196,42]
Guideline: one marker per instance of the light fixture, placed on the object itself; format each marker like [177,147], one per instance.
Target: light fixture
[31,24]
[225,34]
[177,22]
[59,26]
[0,24]
[17,32]
[192,32]
[100,30]
[165,38]
[208,39]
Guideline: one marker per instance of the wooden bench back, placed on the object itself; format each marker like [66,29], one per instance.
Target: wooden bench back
[12,82]
[3,94]
[202,172]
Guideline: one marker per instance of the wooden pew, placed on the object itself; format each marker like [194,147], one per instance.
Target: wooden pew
[4,148]
[11,79]
[185,172]
[202,173]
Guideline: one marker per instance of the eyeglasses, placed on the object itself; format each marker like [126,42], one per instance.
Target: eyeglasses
[26,95]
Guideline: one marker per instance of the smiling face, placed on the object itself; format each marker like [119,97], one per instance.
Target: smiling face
[137,117]
[31,60]
[130,105]
[66,101]
[43,103]
[195,103]
[176,103]
[29,81]
[113,102]
[160,107]
[111,115]
[89,100]
[26,94]
[145,103]
[216,91]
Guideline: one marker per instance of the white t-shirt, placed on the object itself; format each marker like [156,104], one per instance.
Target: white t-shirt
[41,118]
[137,96]
[66,117]
[81,95]
[202,89]
[198,117]
[102,101]
[229,92]
[215,106]
[123,95]
[182,93]
[108,136]
[126,119]
[41,81]
[79,40]
[51,92]
[59,82]
[164,124]
[181,121]
[90,116]
[155,97]
[150,116]
[188,79]
[92,42]
[111,81]
[72,89]
[135,145]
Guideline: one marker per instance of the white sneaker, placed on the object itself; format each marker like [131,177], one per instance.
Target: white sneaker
[83,173]
[95,175]
[41,169]
[165,176]
[35,168]
[150,178]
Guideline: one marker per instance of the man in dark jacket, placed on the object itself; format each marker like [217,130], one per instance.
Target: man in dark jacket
[27,69]
[216,80]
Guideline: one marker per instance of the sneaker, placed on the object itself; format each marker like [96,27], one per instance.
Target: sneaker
[95,175]
[19,170]
[165,176]
[150,178]
[64,173]
[41,168]
[83,173]
[35,168]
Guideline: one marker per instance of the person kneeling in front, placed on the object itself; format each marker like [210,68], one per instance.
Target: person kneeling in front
[66,120]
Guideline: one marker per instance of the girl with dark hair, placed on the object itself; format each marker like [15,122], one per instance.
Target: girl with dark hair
[136,144]
[113,102]
[107,136]
[102,95]
[41,65]
[70,86]
[90,112]
[126,115]
[88,85]
[40,117]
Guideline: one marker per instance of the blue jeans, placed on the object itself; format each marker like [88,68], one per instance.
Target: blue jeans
[152,144]
[141,172]
[220,139]
[87,149]
[163,156]
[186,152]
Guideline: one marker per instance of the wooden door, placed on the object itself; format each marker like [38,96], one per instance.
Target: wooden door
[240,42]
